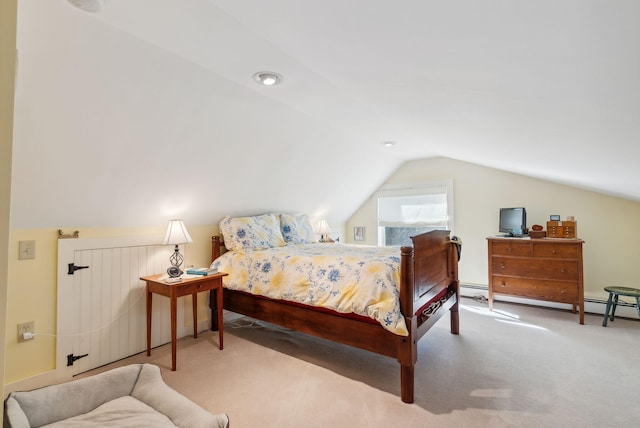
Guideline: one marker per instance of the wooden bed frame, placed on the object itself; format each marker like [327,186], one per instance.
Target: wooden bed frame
[428,276]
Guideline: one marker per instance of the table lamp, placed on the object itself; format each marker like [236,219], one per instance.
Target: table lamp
[176,234]
[324,230]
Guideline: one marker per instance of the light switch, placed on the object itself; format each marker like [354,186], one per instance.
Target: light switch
[27,250]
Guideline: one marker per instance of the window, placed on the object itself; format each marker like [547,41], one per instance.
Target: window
[406,211]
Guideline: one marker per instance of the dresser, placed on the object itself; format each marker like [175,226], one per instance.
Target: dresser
[548,269]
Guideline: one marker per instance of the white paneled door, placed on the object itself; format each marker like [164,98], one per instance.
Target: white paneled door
[101,301]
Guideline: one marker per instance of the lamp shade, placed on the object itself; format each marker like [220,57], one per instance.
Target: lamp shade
[176,234]
[323,228]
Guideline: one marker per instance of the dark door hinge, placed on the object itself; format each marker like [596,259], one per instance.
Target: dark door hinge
[73,268]
[71,358]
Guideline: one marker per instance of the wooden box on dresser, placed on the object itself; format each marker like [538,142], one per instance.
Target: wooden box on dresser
[548,269]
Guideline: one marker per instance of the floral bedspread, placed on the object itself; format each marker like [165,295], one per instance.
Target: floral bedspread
[346,278]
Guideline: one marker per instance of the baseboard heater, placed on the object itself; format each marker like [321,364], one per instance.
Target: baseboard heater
[592,305]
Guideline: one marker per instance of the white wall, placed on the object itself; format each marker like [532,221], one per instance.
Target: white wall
[608,225]
[112,130]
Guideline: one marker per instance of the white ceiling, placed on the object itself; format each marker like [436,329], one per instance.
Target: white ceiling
[151,106]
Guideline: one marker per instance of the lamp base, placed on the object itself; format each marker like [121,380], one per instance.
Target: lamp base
[176,261]
[174,272]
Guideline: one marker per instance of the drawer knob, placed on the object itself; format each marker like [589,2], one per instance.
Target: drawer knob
[510,249]
[563,291]
[503,284]
[553,251]
[502,266]
[563,270]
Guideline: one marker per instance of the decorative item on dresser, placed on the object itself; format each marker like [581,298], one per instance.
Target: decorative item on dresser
[537,231]
[543,269]
[562,229]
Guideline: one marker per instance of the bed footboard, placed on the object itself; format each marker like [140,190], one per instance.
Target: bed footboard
[434,286]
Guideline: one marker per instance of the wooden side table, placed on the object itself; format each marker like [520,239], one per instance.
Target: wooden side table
[192,286]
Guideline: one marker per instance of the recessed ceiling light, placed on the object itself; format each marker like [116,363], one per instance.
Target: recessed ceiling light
[388,143]
[267,78]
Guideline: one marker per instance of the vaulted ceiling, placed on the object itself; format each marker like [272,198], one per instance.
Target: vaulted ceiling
[148,110]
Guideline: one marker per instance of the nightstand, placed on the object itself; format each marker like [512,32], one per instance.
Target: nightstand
[190,285]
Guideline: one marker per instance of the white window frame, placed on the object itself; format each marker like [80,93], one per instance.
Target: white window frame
[423,188]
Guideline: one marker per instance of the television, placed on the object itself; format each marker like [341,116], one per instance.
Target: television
[513,221]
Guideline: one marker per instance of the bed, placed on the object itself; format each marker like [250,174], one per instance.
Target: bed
[427,288]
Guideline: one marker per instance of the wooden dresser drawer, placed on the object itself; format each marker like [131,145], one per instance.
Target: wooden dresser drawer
[512,248]
[555,291]
[558,250]
[535,268]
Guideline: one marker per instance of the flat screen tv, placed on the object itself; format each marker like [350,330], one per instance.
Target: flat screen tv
[513,221]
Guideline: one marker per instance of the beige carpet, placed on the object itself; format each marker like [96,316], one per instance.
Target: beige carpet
[518,366]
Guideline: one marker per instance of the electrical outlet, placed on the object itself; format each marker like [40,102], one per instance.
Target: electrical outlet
[26,327]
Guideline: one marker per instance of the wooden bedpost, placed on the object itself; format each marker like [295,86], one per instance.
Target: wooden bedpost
[453,264]
[428,271]
[407,377]
[215,247]
[408,346]
[215,253]
[407,279]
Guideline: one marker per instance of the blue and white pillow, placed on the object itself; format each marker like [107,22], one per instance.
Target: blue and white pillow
[297,229]
[255,232]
